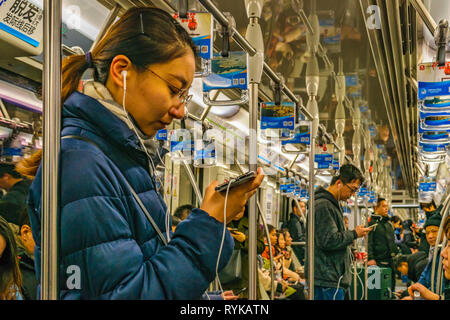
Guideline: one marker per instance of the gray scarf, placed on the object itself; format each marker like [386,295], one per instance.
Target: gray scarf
[99,92]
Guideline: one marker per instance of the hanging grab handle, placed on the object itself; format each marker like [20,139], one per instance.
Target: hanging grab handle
[242,100]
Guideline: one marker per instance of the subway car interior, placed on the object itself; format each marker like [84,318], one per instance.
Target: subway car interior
[344,105]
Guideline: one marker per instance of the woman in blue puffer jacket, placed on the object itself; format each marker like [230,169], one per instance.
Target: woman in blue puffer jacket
[143,68]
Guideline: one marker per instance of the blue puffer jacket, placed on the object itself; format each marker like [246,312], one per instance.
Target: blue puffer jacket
[104,231]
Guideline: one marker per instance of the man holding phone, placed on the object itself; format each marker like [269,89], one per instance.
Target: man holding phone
[382,247]
[332,252]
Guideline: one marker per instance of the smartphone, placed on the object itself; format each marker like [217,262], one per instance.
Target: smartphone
[239,292]
[373,226]
[236,181]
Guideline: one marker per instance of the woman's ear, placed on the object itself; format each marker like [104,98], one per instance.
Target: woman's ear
[119,64]
[25,229]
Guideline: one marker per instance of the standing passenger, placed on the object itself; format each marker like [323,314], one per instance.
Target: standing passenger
[332,253]
[382,248]
[296,226]
[143,68]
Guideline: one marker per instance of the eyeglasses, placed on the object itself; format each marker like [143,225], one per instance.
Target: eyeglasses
[352,190]
[182,94]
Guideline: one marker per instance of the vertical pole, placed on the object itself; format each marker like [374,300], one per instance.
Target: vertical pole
[50,163]
[366,245]
[255,69]
[355,270]
[253,152]
[311,218]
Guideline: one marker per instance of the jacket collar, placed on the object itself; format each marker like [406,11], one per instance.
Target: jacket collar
[82,111]
[325,194]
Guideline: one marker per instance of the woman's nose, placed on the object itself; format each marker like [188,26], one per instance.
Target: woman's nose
[178,111]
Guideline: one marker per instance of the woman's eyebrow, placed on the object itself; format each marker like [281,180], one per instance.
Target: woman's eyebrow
[179,78]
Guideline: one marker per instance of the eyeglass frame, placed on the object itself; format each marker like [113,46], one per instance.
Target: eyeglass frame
[180,92]
[351,189]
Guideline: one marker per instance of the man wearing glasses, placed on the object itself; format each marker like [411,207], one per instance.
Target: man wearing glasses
[332,252]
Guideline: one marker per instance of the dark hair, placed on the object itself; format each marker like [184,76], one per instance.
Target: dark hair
[396,219]
[348,173]
[293,205]
[9,169]
[379,200]
[424,205]
[146,35]
[183,210]
[407,224]
[270,227]
[175,221]
[277,247]
[10,276]
[399,259]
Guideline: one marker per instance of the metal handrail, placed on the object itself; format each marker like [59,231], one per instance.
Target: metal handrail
[245,45]
[424,15]
[445,210]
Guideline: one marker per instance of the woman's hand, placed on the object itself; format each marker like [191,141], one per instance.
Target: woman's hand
[239,236]
[229,295]
[214,202]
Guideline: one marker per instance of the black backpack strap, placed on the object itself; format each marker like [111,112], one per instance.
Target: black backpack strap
[136,197]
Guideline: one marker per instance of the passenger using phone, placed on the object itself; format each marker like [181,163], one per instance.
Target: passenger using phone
[143,68]
[382,247]
[332,252]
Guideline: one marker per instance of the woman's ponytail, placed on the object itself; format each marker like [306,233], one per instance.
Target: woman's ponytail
[73,68]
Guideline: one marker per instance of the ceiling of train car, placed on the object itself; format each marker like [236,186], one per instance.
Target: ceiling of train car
[344,37]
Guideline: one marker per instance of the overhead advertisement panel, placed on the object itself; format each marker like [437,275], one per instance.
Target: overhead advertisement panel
[21,26]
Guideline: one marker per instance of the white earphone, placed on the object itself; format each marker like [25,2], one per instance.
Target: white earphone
[124,75]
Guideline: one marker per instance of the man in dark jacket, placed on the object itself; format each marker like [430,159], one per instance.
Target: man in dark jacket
[382,248]
[297,229]
[13,203]
[332,253]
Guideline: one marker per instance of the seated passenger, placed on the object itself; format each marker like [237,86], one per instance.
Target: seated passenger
[273,242]
[409,234]
[399,236]
[297,267]
[411,265]
[424,292]
[239,231]
[286,260]
[25,250]
[10,277]
[431,229]
[13,203]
